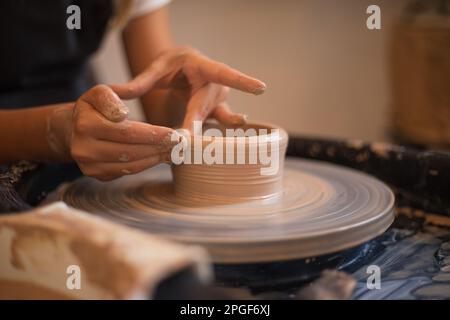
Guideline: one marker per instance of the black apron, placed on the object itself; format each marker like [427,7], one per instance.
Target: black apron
[43,62]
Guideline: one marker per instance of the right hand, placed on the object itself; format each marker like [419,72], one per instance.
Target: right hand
[202,82]
[105,144]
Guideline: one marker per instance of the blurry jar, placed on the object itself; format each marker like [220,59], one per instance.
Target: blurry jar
[421,74]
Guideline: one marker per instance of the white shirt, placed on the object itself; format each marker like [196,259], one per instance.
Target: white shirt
[141,7]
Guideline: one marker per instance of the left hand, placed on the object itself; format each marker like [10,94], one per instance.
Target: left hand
[204,81]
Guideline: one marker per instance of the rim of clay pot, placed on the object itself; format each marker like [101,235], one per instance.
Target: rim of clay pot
[269,137]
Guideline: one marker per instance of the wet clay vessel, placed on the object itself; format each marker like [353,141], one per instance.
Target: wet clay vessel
[249,165]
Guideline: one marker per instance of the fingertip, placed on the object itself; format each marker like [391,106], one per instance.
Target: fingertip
[115,111]
[236,120]
[175,137]
[242,119]
[260,88]
[117,88]
[120,114]
[105,100]
[165,138]
[122,90]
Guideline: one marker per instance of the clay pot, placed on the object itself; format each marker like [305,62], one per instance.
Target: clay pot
[227,169]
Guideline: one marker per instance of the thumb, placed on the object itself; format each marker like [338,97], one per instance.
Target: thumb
[104,100]
[142,83]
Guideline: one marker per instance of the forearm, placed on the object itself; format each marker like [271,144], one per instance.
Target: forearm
[144,39]
[24,134]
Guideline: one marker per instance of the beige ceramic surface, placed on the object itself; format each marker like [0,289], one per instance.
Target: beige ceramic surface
[322,208]
[239,181]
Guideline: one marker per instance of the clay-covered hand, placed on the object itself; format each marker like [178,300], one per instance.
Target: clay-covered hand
[205,81]
[105,144]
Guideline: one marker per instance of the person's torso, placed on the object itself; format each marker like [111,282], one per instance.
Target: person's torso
[42,61]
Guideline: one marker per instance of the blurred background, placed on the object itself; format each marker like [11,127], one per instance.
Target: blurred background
[327,74]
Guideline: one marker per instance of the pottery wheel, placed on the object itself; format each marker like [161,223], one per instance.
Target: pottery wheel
[323,209]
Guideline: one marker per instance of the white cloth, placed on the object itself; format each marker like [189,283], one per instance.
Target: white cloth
[141,7]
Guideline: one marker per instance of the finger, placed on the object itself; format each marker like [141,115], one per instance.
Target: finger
[92,124]
[91,150]
[208,70]
[136,87]
[146,80]
[135,132]
[225,116]
[103,99]
[106,171]
[201,104]
[222,74]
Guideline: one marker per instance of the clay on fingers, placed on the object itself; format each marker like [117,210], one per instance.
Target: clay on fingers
[127,131]
[103,99]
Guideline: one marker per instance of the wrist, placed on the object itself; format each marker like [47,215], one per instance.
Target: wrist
[59,131]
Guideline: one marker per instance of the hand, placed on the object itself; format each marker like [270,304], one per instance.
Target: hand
[205,83]
[97,135]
